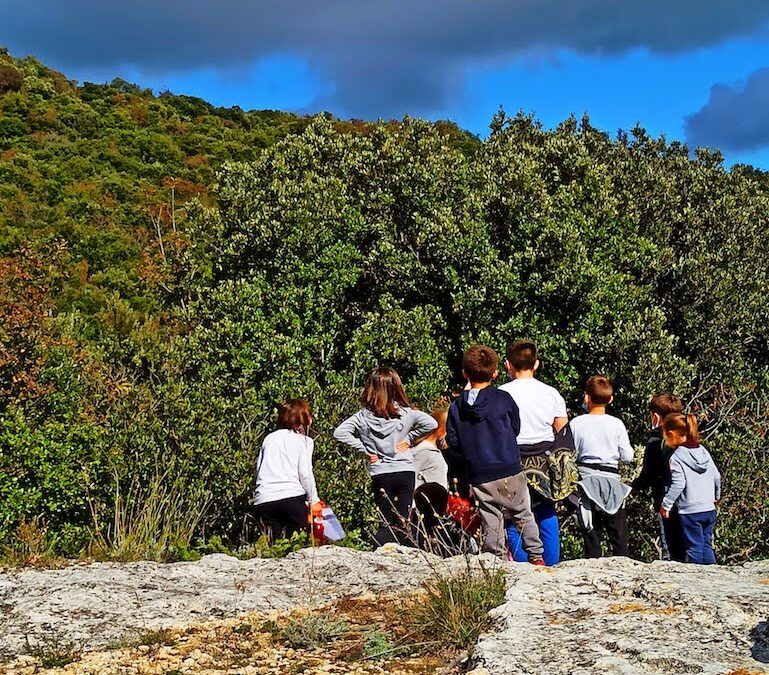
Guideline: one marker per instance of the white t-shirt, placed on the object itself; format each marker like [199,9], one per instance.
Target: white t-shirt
[284,468]
[539,404]
[601,439]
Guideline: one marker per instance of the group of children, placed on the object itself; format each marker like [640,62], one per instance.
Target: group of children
[497,443]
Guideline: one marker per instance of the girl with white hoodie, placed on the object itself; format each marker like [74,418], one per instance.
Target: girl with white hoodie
[384,430]
[695,487]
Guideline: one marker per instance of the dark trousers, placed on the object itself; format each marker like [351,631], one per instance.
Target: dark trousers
[282,518]
[673,546]
[615,526]
[697,529]
[393,493]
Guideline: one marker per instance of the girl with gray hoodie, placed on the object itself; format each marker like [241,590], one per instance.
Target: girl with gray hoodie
[385,430]
[694,489]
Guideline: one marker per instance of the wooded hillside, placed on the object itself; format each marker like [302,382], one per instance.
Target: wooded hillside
[170,270]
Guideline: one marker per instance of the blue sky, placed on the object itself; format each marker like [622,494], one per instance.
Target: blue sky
[697,72]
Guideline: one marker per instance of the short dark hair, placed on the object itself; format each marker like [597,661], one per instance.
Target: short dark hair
[480,363]
[599,389]
[665,403]
[294,414]
[522,355]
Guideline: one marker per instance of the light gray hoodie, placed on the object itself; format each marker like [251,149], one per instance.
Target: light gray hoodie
[695,481]
[367,433]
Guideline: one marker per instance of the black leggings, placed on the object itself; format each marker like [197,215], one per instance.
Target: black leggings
[393,493]
[615,526]
[282,518]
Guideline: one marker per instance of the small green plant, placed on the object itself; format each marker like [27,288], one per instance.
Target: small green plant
[31,544]
[272,627]
[456,609]
[213,545]
[280,548]
[243,629]
[53,651]
[313,630]
[379,644]
[161,636]
[355,539]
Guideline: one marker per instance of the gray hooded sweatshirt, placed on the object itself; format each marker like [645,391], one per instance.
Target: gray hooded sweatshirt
[695,481]
[367,433]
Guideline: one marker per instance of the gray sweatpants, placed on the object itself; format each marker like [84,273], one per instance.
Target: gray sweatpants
[507,495]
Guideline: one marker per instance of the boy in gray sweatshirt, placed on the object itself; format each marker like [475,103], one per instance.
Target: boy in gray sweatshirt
[695,487]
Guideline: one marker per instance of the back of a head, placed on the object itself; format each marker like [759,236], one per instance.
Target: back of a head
[440,415]
[599,389]
[384,394]
[294,414]
[431,500]
[522,355]
[480,363]
[664,404]
[685,425]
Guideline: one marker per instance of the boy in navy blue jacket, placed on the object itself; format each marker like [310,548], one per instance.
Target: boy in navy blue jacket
[482,427]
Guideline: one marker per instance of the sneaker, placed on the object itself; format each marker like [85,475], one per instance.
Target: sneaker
[538,562]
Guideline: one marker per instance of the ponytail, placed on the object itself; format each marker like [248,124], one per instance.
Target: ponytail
[692,431]
[682,424]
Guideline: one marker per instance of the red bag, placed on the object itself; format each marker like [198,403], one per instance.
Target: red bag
[461,510]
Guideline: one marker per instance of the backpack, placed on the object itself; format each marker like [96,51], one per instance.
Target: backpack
[562,465]
[554,474]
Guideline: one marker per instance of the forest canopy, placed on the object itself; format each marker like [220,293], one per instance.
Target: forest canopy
[169,271]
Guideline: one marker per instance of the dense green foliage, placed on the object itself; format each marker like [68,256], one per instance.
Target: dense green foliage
[149,320]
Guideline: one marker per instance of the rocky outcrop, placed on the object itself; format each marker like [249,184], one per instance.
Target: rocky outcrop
[612,616]
[620,616]
[89,605]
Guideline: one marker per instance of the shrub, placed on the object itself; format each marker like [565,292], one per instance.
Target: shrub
[312,630]
[455,609]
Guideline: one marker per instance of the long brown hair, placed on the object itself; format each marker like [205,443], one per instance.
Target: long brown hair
[682,424]
[383,394]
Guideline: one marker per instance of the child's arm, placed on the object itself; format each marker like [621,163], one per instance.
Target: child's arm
[717,480]
[561,418]
[515,416]
[347,433]
[452,451]
[451,440]
[423,425]
[677,485]
[646,477]
[306,476]
[625,449]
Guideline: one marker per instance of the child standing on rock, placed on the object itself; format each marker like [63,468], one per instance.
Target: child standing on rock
[602,443]
[285,485]
[384,430]
[482,427]
[543,414]
[695,487]
[429,463]
[655,475]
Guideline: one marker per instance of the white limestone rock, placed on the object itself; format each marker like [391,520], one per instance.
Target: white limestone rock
[620,616]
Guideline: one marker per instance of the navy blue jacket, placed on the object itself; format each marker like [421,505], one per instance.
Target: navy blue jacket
[484,435]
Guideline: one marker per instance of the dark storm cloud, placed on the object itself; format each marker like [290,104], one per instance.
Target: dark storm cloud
[735,117]
[381,56]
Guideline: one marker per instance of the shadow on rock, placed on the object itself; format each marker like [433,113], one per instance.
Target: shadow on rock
[760,637]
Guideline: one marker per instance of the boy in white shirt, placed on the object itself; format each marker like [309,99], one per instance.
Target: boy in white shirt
[543,414]
[602,443]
